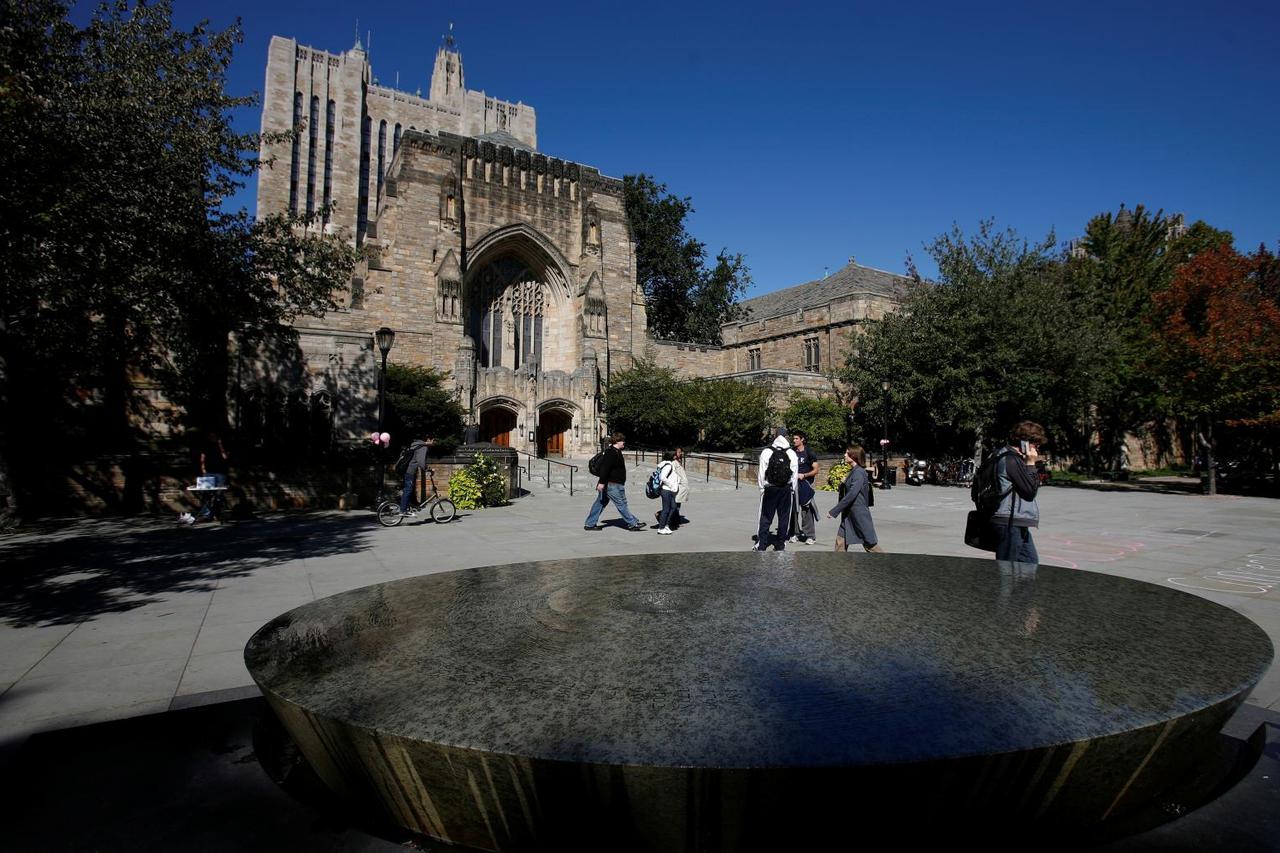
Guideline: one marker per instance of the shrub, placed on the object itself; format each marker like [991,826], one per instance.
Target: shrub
[822,420]
[651,405]
[836,476]
[418,405]
[493,487]
[464,491]
[731,415]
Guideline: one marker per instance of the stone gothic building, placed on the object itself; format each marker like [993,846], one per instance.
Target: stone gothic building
[510,270]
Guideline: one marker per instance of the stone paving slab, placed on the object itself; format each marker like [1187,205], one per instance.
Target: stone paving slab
[106,619]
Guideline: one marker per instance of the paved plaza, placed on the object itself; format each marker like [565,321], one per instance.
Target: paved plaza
[108,619]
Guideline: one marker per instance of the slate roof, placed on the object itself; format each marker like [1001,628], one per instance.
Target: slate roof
[844,282]
[501,137]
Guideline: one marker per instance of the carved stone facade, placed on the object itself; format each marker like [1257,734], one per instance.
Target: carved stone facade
[509,270]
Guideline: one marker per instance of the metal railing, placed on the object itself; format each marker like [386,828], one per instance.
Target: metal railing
[521,470]
[641,454]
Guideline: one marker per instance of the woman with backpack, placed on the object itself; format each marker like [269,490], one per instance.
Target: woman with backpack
[682,491]
[670,487]
[854,506]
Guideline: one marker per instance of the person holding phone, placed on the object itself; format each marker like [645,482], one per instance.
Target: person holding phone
[1018,511]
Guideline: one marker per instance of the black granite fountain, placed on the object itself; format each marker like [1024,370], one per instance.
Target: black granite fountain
[708,702]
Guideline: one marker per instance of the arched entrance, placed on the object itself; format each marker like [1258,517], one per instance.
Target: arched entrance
[553,432]
[496,425]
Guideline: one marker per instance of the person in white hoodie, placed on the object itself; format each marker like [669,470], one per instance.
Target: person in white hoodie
[670,487]
[776,473]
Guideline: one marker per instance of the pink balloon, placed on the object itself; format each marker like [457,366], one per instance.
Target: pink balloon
[374,437]
[386,438]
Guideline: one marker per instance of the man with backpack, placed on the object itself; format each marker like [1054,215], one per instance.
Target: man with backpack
[412,460]
[611,469]
[777,471]
[1004,490]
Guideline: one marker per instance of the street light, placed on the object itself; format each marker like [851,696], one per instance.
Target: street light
[884,444]
[385,339]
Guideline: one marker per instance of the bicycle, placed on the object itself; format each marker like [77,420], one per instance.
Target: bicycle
[442,510]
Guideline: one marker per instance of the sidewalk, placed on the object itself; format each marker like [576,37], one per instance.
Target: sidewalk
[110,619]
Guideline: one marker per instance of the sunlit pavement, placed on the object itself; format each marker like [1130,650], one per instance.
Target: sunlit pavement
[103,620]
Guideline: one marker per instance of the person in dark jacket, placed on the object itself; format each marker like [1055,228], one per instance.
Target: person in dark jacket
[1018,511]
[853,508]
[612,487]
[421,447]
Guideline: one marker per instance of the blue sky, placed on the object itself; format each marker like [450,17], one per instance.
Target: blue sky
[811,132]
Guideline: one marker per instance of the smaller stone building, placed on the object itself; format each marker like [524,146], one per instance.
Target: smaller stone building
[790,338]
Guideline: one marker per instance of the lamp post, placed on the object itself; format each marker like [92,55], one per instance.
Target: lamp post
[884,445]
[385,339]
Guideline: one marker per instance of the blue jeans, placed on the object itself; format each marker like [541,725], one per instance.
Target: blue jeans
[410,479]
[617,493]
[668,508]
[1014,543]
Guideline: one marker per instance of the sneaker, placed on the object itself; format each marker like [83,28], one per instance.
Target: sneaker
[810,541]
[664,531]
[592,527]
[756,548]
[792,539]
[639,525]
[409,513]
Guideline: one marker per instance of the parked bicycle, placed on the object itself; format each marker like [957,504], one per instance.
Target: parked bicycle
[441,510]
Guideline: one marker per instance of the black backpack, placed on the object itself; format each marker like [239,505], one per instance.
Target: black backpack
[596,465]
[985,491]
[778,472]
[406,457]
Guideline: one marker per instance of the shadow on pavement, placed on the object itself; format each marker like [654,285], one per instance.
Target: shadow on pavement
[88,568]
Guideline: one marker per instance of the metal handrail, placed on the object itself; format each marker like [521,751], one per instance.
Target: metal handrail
[550,462]
[738,462]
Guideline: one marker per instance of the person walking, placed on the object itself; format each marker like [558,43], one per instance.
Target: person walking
[418,462]
[1018,483]
[612,487]
[854,506]
[682,489]
[670,486]
[776,474]
[806,513]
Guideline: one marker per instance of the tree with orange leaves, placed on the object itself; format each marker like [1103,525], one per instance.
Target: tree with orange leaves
[1216,330]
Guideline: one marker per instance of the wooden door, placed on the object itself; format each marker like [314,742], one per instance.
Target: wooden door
[496,426]
[553,426]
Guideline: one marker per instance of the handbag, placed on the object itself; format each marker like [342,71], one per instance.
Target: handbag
[978,532]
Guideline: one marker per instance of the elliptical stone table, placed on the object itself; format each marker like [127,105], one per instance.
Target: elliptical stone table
[744,701]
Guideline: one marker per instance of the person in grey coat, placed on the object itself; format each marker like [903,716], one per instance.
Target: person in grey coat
[853,508]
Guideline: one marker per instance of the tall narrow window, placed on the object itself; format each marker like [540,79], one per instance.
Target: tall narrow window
[382,153]
[329,119]
[362,205]
[812,357]
[395,142]
[313,132]
[753,358]
[296,161]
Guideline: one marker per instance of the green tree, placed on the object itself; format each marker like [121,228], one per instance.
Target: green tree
[730,415]
[650,405]
[822,419]
[418,406]
[686,301]
[1119,265]
[992,340]
[117,156]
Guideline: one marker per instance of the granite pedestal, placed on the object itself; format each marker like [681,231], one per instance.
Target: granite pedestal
[746,701]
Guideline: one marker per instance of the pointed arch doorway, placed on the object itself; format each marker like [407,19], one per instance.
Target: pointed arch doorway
[496,426]
[553,432]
